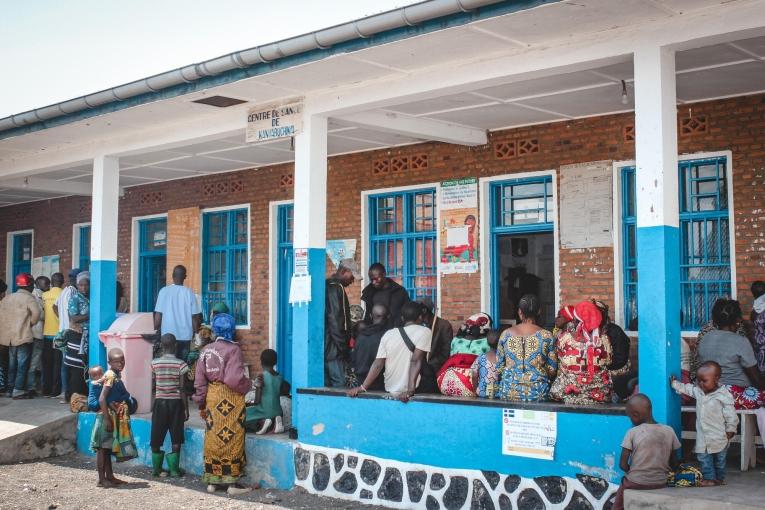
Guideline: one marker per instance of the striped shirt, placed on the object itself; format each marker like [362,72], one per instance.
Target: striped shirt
[167,371]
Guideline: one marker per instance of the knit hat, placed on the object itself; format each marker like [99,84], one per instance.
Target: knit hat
[220,307]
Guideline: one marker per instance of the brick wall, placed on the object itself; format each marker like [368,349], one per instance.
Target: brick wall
[732,124]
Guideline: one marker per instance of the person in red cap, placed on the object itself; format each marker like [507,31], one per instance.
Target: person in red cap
[583,356]
[18,312]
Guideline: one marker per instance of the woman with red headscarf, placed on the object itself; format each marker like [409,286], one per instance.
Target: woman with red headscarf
[583,356]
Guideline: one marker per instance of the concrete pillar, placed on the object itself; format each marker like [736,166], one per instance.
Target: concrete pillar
[310,233]
[103,252]
[658,242]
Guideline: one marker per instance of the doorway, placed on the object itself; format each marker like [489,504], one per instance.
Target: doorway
[522,252]
[21,256]
[284,272]
[152,261]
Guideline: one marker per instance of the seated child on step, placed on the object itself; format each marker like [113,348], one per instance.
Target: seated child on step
[648,450]
[269,386]
[111,431]
[716,420]
[171,408]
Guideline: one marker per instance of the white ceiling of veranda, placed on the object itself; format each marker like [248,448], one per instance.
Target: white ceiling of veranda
[721,70]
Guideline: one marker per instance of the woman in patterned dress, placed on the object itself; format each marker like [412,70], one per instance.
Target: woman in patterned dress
[584,355]
[526,359]
[455,378]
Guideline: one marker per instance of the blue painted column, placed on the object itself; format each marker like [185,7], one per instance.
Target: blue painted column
[103,253]
[658,258]
[310,234]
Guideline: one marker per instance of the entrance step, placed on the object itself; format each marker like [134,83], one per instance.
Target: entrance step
[35,429]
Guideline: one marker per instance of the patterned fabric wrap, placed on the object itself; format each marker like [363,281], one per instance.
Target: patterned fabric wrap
[223,326]
[455,377]
[78,403]
[747,398]
[122,442]
[526,366]
[582,374]
[488,376]
[759,339]
[224,456]
[685,476]
[467,346]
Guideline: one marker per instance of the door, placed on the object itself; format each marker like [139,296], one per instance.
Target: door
[84,261]
[284,277]
[152,262]
[22,256]
[522,247]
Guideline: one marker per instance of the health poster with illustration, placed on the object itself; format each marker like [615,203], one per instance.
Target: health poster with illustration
[527,433]
[458,208]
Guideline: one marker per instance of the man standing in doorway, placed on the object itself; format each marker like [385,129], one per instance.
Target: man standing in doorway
[178,313]
[384,291]
[337,323]
[18,313]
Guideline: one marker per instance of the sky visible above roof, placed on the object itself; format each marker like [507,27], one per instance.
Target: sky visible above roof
[53,51]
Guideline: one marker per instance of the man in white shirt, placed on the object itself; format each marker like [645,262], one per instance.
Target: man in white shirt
[402,362]
[178,313]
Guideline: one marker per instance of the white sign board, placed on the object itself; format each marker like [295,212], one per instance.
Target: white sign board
[586,205]
[274,121]
[527,433]
[459,194]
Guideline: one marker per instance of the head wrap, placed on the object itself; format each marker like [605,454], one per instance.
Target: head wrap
[759,304]
[223,326]
[567,312]
[481,321]
[220,307]
[589,318]
[84,275]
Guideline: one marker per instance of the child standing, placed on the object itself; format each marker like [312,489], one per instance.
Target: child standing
[171,408]
[111,431]
[269,386]
[648,450]
[484,369]
[716,420]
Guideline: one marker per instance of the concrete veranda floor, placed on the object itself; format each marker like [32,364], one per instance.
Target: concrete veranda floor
[17,416]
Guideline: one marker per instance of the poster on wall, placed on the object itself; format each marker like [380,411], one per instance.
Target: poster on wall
[458,209]
[527,433]
[339,249]
[586,205]
[45,266]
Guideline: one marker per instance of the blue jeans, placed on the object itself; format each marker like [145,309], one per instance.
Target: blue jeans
[334,373]
[35,364]
[19,357]
[713,465]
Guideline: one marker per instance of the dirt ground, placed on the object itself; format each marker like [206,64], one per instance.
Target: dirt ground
[69,482]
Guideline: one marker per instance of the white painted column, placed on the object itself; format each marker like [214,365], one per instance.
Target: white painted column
[103,252]
[310,233]
[658,244]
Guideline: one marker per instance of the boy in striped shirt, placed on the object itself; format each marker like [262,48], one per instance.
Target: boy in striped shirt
[171,407]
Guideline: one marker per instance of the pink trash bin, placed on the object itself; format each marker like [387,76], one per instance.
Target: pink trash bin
[125,333]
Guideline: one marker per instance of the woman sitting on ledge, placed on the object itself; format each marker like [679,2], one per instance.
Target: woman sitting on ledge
[526,357]
[584,356]
[456,375]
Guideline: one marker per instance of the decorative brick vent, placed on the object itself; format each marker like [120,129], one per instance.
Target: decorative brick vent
[85,208]
[694,125]
[628,133]
[399,164]
[505,150]
[208,189]
[362,478]
[380,166]
[418,162]
[286,181]
[529,146]
[236,186]
[152,198]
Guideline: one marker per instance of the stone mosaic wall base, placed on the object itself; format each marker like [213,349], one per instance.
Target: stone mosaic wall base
[357,477]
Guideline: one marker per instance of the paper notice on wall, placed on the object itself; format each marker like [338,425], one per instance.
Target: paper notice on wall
[527,433]
[300,261]
[458,209]
[37,264]
[45,265]
[300,289]
[586,205]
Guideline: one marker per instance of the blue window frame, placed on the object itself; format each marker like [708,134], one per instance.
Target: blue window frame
[705,265]
[225,262]
[152,261]
[84,248]
[284,276]
[403,239]
[21,261]
[518,206]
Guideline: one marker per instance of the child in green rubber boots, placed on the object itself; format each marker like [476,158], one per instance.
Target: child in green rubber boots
[171,408]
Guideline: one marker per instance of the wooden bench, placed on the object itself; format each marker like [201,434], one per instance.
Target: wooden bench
[748,438]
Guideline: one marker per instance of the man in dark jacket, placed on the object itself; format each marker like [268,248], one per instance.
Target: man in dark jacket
[337,324]
[367,345]
[442,334]
[384,291]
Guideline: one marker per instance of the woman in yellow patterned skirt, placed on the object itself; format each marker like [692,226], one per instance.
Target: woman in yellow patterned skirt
[220,385]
